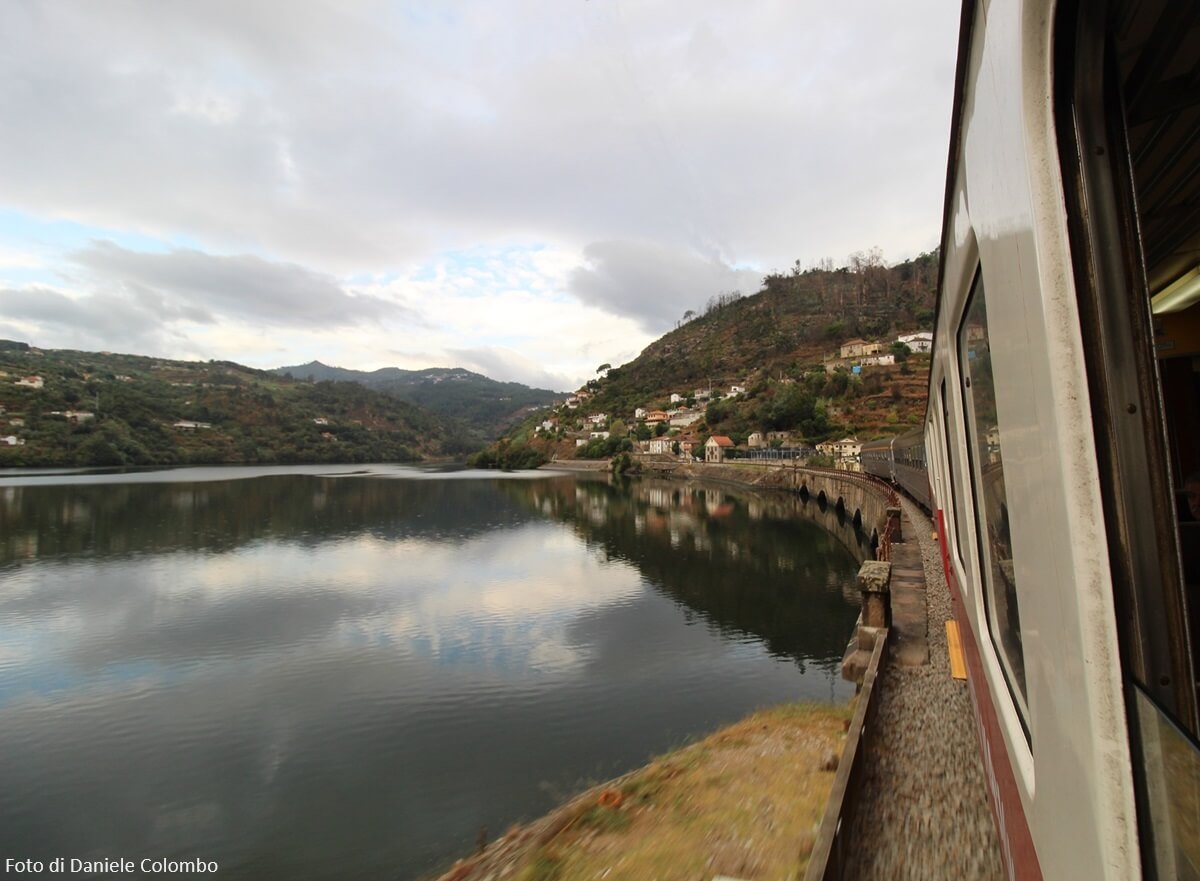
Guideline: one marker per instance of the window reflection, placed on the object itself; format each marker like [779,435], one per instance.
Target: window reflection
[987,473]
[1171,765]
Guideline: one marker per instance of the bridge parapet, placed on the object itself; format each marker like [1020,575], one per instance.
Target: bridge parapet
[870,502]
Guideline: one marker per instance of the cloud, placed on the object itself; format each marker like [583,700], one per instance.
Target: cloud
[348,136]
[272,156]
[97,320]
[653,283]
[196,284]
[509,366]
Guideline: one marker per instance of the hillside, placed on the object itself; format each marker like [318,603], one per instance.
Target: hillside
[781,347]
[483,407]
[98,408]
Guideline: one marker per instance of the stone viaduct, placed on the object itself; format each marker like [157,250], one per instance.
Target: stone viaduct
[857,499]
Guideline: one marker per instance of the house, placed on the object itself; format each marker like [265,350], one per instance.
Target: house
[735,390]
[716,447]
[639,413]
[661,445]
[16,421]
[846,448]
[702,394]
[329,435]
[30,381]
[580,441]
[676,398]
[188,425]
[320,420]
[755,440]
[656,416]
[599,435]
[921,341]
[572,403]
[78,416]
[879,359]
[12,441]
[687,447]
[992,438]
[549,424]
[598,418]
[859,348]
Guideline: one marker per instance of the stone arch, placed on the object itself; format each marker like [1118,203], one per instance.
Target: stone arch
[858,519]
[822,500]
[804,493]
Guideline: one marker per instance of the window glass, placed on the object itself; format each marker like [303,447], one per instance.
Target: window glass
[991,504]
[955,517]
[1170,764]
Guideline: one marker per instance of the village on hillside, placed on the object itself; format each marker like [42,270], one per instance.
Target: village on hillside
[17,421]
[677,425]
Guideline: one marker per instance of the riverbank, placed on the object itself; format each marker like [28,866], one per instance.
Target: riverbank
[577,465]
[743,474]
[743,802]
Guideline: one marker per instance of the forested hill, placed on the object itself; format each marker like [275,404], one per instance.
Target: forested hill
[780,344]
[787,326]
[64,407]
[483,407]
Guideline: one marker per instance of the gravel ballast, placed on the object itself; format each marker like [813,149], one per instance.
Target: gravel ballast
[924,812]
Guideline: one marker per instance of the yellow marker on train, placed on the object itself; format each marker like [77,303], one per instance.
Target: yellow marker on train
[958,665]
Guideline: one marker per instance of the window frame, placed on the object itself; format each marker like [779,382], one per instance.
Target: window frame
[983,550]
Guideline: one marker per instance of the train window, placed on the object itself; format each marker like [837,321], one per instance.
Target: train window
[1130,151]
[1170,767]
[954,522]
[991,502]
[1129,116]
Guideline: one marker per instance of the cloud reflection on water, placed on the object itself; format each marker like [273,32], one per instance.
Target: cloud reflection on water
[277,673]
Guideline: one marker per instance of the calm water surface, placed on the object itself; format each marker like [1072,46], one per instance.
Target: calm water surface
[318,673]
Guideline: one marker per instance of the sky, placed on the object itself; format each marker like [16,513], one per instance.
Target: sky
[524,188]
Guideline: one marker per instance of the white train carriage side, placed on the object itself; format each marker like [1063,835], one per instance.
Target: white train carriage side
[1063,419]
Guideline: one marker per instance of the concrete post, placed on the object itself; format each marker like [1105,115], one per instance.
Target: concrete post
[874,580]
[893,519]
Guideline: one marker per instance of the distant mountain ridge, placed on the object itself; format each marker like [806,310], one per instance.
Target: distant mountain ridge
[484,408]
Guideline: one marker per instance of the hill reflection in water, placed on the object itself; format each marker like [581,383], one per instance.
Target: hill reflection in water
[336,677]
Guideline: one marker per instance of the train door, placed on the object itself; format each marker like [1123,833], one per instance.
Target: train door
[1128,117]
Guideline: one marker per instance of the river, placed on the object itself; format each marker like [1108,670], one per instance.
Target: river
[320,673]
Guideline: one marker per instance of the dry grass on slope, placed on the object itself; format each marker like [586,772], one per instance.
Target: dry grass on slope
[744,802]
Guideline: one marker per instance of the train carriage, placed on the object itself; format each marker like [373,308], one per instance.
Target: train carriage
[1063,419]
[900,460]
